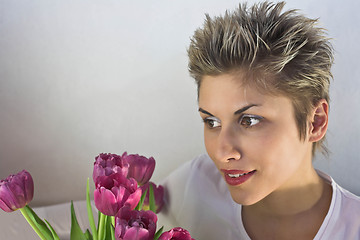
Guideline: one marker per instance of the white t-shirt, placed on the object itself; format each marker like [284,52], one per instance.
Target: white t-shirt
[199,201]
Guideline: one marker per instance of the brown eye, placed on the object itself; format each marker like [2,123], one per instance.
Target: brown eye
[212,122]
[249,121]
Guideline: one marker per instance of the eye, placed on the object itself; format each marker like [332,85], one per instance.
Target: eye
[249,121]
[212,122]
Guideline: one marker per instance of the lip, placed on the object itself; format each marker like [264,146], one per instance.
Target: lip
[237,180]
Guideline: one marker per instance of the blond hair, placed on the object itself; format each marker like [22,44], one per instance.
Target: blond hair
[284,53]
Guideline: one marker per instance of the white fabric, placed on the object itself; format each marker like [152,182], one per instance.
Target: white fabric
[198,200]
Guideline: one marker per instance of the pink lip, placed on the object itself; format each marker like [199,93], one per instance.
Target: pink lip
[237,180]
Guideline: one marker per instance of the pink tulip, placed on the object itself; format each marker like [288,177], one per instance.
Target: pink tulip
[158,194]
[135,225]
[177,233]
[106,164]
[140,168]
[16,191]
[115,191]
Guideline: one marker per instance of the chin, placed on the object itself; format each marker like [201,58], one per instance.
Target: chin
[244,199]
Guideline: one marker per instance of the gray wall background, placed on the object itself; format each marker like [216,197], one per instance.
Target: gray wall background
[78,78]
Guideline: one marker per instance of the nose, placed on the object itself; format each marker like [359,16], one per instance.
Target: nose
[228,145]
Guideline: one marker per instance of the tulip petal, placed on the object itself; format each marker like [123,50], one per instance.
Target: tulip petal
[176,233]
[121,194]
[107,164]
[124,214]
[165,236]
[158,193]
[105,201]
[140,168]
[136,233]
[134,198]
[120,228]
[151,216]
[132,224]
[18,194]
[16,191]
[5,207]
[28,186]
[8,196]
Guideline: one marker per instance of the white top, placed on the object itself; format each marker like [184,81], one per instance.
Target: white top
[199,201]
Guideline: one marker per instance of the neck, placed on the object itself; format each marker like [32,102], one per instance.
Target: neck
[295,213]
[292,201]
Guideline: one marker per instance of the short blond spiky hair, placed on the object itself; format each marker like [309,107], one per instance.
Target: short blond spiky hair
[284,53]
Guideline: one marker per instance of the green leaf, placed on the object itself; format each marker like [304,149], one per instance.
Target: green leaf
[41,225]
[152,199]
[75,232]
[158,233]
[99,217]
[54,234]
[141,202]
[88,235]
[89,212]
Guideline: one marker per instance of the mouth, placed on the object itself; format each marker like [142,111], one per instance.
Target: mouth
[237,177]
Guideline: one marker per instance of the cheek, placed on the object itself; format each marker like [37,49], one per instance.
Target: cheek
[279,150]
[210,142]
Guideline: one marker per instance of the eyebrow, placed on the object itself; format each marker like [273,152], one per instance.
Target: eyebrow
[206,112]
[241,110]
[245,108]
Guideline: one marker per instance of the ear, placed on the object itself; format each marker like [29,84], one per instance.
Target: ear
[319,121]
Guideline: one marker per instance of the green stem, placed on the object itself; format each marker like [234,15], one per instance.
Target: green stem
[112,228]
[90,213]
[32,224]
[101,229]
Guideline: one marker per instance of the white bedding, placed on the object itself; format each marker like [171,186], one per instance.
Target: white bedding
[13,226]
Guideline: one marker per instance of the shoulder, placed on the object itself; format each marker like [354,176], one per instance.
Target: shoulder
[346,214]
[201,163]
[344,202]
[343,218]
[348,196]
[198,200]
[340,196]
[196,177]
[188,181]
[200,168]
[348,205]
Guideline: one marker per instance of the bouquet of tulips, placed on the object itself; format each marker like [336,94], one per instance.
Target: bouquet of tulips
[126,200]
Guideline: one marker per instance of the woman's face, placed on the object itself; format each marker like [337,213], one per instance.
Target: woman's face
[252,138]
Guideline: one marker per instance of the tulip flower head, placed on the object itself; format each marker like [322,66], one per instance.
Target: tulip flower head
[177,233]
[16,191]
[135,225]
[120,182]
[140,168]
[106,164]
[115,191]
[158,194]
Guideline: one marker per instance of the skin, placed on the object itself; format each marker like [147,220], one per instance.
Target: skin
[247,130]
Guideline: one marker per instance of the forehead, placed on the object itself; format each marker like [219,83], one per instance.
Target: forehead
[263,81]
[228,92]
[228,86]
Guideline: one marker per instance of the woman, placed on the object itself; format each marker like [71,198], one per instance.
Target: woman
[263,91]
